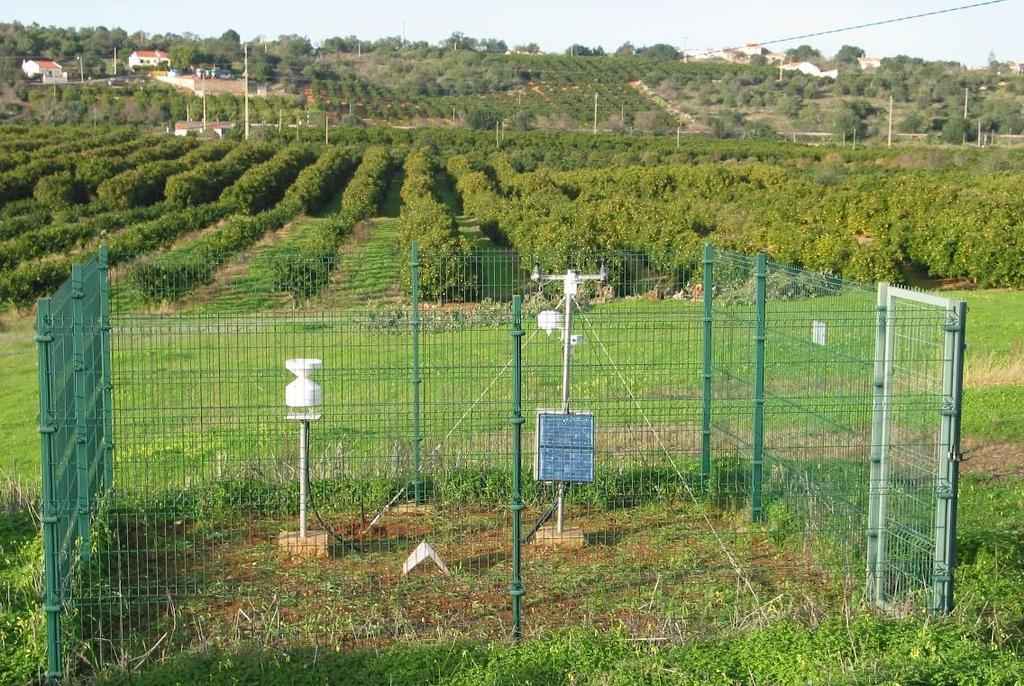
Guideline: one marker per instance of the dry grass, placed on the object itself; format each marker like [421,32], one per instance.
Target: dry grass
[993,370]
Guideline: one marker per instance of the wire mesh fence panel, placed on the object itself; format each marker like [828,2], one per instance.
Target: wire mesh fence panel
[818,401]
[72,330]
[915,495]
[697,454]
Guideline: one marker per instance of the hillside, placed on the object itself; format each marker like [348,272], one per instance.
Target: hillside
[646,90]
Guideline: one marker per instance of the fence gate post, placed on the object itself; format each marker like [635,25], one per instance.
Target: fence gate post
[947,483]
[417,439]
[49,518]
[878,434]
[82,393]
[705,436]
[107,443]
[517,591]
[758,437]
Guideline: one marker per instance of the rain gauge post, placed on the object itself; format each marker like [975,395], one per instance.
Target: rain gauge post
[303,397]
[565,439]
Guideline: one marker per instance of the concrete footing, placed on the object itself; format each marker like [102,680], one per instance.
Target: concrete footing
[569,537]
[314,545]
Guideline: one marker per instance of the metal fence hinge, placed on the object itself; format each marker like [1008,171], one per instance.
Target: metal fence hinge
[49,519]
[43,338]
[956,456]
[47,428]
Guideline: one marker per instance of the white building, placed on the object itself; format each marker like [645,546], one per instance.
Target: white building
[48,71]
[869,62]
[152,59]
[198,128]
[810,70]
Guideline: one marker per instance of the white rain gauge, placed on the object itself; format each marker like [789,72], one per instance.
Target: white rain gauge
[303,396]
[565,439]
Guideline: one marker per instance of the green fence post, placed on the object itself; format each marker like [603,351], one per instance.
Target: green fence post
[758,437]
[517,591]
[947,484]
[107,444]
[874,591]
[705,437]
[49,518]
[417,438]
[81,380]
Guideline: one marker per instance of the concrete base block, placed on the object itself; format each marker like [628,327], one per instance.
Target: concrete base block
[314,545]
[570,537]
[412,508]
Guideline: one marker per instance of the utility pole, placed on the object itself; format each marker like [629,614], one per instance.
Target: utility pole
[679,129]
[81,70]
[246,73]
[497,141]
[595,112]
[204,111]
[115,60]
[280,117]
[979,132]
[967,92]
[327,130]
[890,120]
[403,33]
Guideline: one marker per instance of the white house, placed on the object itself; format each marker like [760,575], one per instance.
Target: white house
[148,58]
[48,71]
[869,62]
[198,128]
[810,70]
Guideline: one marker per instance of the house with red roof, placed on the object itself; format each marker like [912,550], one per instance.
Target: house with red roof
[47,70]
[148,59]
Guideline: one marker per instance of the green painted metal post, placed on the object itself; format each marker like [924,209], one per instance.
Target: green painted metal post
[417,438]
[758,437]
[517,591]
[947,483]
[107,443]
[878,434]
[81,381]
[705,437]
[50,516]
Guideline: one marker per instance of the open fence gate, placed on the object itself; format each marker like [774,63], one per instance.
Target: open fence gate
[726,438]
[915,447]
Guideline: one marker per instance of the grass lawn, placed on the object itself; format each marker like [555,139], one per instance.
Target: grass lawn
[984,633]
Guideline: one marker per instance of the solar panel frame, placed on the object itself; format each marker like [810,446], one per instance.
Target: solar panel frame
[557,460]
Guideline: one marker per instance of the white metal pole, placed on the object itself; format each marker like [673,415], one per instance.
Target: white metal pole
[303,474]
[569,289]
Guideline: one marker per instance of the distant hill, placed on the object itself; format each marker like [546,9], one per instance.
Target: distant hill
[482,83]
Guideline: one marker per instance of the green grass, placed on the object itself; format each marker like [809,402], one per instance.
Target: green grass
[865,651]
[19,368]
[22,634]
[369,261]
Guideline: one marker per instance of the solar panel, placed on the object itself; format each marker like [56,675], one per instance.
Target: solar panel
[565,447]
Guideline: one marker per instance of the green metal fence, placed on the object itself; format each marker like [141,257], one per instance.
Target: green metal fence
[752,420]
[75,428]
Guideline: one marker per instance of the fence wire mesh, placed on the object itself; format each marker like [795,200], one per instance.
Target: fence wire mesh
[739,450]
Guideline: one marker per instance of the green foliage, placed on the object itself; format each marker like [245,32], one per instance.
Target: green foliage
[22,635]
[204,183]
[425,219]
[144,185]
[302,275]
[264,184]
[59,190]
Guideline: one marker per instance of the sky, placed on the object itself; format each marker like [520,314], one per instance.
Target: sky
[968,36]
